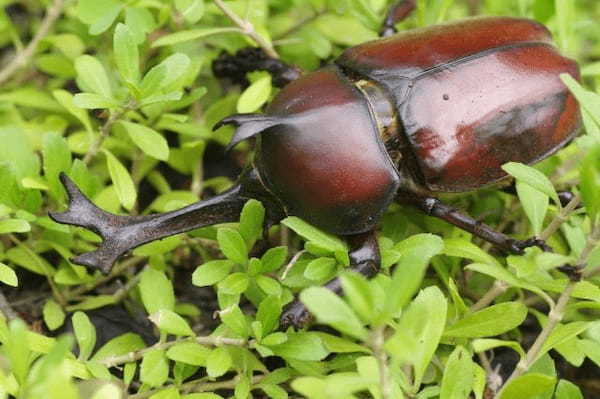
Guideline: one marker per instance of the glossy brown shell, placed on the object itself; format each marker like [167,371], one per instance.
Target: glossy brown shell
[471,96]
[325,161]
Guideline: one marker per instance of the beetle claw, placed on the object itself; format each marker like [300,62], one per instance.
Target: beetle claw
[294,315]
[517,247]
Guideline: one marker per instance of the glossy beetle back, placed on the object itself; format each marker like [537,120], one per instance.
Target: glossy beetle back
[327,164]
[471,96]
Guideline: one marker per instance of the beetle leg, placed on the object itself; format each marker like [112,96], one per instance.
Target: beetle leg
[436,208]
[251,59]
[121,233]
[364,259]
[396,13]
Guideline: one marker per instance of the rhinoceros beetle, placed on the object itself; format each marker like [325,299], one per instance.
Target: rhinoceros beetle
[421,112]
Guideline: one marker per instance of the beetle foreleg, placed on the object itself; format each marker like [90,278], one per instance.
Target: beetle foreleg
[436,208]
[396,13]
[251,59]
[364,259]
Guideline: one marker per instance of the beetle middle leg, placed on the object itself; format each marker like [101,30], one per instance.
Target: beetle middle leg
[236,66]
[396,13]
[364,259]
[436,208]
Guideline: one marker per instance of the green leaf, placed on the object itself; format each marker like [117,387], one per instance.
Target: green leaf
[251,221]
[140,21]
[188,35]
[485,344]
[122,180]
[99,15]
[301,346]
[234,284]
[211,272]
[344,30]
[54,317]
[190,353]
[268,313]
[93,101]
[313,234]
[170,322]
[191,10]
[147,139]
[126,54]
[332,310]
[319,269]
[418,333]
[154,370]
[458,376]
[218,362]
[273,259]
[57,158]
[535,205]
[533,177]
[491,321]
[358,293]
[563,333]
[255,96]
[416,251]
[527,386]
[85,332]
[156,290]
[14,226]
[589,173]
[92,75]
[232,245]
[164,74]
[465,249]
[8,276]
[16,349]
[567,390]
[121,345]
[233,318]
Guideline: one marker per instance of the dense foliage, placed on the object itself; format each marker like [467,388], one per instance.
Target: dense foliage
[120,96]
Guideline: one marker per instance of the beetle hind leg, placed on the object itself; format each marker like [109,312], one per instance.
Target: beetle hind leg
[364,259]
[396,13]
[436,208]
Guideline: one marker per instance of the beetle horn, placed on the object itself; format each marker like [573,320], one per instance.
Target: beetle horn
[248,125]
[122,233]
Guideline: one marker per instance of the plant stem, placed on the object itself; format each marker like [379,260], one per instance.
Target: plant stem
[247,29]
[498,288]
[137,355]
[104,131]
[560,218]
[555,315]
[200,385]
[24,57]
[377,341]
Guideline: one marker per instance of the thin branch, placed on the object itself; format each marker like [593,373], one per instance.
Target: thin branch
[137,355]
[105,130]
[24,57]
[560,218]
[247,29]
[377,341]
[498,288]
[200,385]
